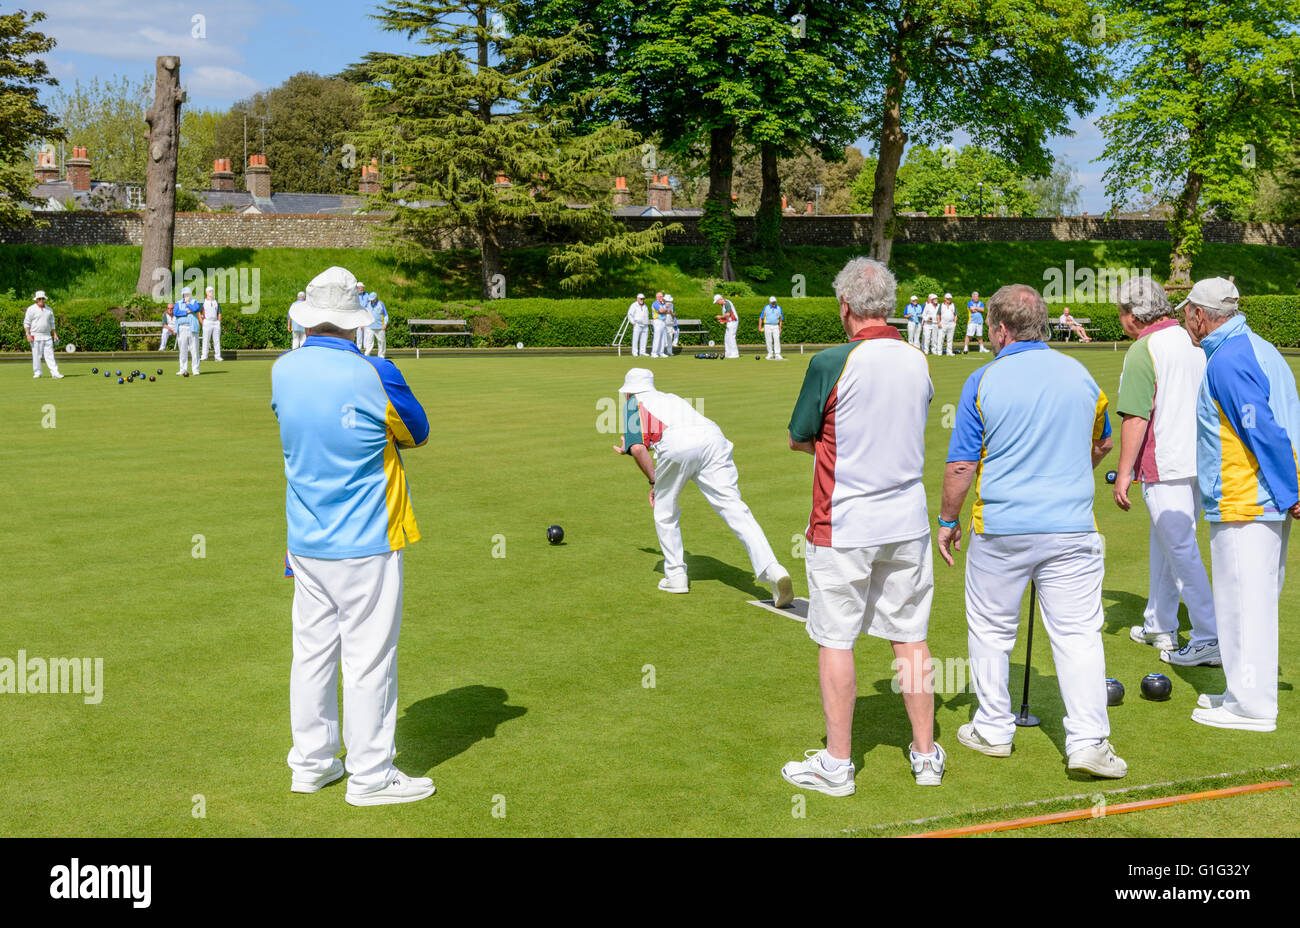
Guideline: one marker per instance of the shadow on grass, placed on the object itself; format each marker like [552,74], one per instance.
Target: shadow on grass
[702,567]
[438,728]
[1126,610]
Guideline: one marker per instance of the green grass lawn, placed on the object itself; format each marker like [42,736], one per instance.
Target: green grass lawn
[521,677]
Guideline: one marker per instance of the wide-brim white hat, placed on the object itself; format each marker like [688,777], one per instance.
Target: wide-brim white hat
[331,298]
[638,380]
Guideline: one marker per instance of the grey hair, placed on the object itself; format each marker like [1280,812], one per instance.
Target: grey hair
[1021,309]
[1214,313]
[868,287]
[1144,298]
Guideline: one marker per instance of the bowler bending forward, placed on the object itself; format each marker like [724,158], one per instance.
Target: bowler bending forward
[343,417]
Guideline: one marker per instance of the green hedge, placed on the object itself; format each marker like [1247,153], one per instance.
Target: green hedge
[92,326]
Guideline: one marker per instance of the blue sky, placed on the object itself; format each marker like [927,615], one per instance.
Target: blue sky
[238,47]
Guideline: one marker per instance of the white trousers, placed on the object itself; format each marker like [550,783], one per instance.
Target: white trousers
[929,337]
[702,455]
[361,337]
[345,611]
[640,333]
[43,347]
[375,338]
[730,348]
[299,338]
[166,333]
[1249,563]
[772,335]
[945,336]
[914,333]
[187,346]
[662,345]
[1176,569]
[1067,569]
[211,335]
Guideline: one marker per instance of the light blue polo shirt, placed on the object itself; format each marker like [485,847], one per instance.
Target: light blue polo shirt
[296,326]
[1030,417]
[772,314]
[378,312]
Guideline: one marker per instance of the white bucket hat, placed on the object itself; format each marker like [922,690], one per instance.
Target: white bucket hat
[771,299]
[40,295]
[331,298]
[638,380]
[717,298]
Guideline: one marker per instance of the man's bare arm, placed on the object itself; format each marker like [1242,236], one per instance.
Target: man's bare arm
[804,446]
[1100,449]
[957,478]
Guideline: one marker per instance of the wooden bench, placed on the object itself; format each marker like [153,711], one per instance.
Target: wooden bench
[151,329]
[436,328]
[1063,332]
[691,327]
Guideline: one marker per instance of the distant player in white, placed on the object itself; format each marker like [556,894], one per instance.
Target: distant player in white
[770,322]
[169,326]
[930,325]
[912,313]
[39,327]
[211,324]
[974,323]
[187,311]
[729,318]
[361,332]
[947,323]
[664,326]
[638,317]
[376,334]
[687,447]
[296,329]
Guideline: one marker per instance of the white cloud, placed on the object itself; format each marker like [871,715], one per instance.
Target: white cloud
[141,30]
[210,81]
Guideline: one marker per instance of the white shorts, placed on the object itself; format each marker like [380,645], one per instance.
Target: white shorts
[974,330]
[888,588]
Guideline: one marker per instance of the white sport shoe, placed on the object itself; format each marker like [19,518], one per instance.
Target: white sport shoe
[1206,655]
[675,585]
[782,589]
[1163,641]
[810,774]
[36,376]
[1100,760]
[400,789]
[983,350]
[314,784]
[1211,700]
[927,770]
[1219,717]
[968,736]
[57,376]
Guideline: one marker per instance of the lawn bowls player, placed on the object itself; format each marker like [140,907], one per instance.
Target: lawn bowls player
[638,317]
[365,301]
[731,320]
[377,331]
[1031,426]
[912,313]
[343,417]
[1158,391]
[974,323]
[187,311]
[169,325]
[1248,423]
[688,447]
[211,324]
[770,322]
[930,325]
[295,328]
[947,324]
[41,332]
[861,414]
[657,325]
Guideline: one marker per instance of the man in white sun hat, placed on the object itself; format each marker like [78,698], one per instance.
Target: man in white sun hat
[1248,425]
[947,324]
[731,320]
[343,416]
[186,311]
[638,317]
[770,322]
[686,447]
[41,332]
[930,325]
[665,326]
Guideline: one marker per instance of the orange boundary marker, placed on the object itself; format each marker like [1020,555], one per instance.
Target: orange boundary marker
[1074,816]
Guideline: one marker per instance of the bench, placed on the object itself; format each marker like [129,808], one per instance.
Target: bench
[1063,332]
[151,329]
[435,328]
[691,327]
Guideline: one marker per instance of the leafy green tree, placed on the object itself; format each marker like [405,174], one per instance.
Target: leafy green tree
[1202,106]
[22,116]
[1057,194]
[198,149]
[479,154]
[1005,71]
[931,179]
[108,119]
[308,123]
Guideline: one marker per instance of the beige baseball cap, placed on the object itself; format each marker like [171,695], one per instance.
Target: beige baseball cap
[1213,293]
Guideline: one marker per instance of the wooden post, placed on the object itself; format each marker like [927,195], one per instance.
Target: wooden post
[164,119]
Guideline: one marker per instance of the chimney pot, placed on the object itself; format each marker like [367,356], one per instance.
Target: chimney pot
[79,169]
[660,194]
[257,178]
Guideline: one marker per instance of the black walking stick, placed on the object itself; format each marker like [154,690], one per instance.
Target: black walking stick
[1024,719]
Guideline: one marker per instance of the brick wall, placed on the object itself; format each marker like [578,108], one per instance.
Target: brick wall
[216,230]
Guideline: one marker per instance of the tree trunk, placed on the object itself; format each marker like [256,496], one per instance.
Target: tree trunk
[1184,231]
[767,222]
[494,278]
[717,223]
[164,119]
[892,142]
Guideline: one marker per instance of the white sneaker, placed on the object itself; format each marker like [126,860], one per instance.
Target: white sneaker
[984,351]
[778,358]
[57,376]
[180,373]
[1206,655]
[1219,717]
[36,376]
[1164,641]
[675,585]
[314,784]
[400,789]
[810,774]
[782,589]
[1100,760]
[1211,700]
[968,736]
[927,770]
[768,358]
